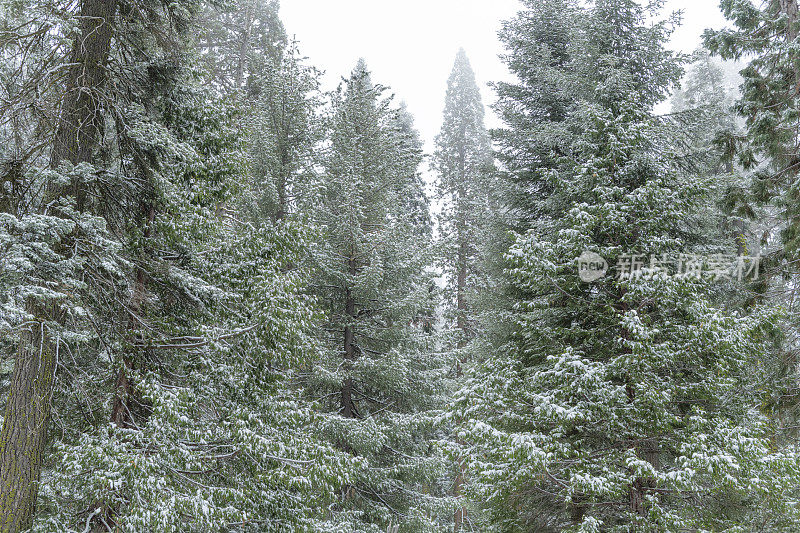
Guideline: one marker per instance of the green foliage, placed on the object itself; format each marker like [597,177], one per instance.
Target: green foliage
[239,280]
[284,131]
[377,381]
[769,99]
[464,165]
[766,36]
[190,318]
[629,402]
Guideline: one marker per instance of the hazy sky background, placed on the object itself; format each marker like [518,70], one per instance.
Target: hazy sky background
[410,45]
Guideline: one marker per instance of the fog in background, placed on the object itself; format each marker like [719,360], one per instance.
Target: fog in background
[411,45]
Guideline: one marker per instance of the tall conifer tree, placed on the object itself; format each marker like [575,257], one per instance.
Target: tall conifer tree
[174,320]
[767,154]
[463,163]
[378,378]
[616,403]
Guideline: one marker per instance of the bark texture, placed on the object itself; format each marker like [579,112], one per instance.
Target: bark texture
[27,414]
[24,434]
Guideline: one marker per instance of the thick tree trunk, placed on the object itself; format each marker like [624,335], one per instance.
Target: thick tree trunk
[81,122]
[461,513]
[24,434]
[647,450]
[461,324]
[283,177]
[461,294]
[789,7]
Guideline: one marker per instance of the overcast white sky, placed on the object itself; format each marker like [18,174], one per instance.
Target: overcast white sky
[410,45]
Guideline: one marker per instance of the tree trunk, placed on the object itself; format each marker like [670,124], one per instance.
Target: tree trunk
[461,513]
[27,414]
[283,175]
[789,7]
[244,48]
[461,324]
[348,408]
[81,122]
[461,294]
[122,409]
[24,434]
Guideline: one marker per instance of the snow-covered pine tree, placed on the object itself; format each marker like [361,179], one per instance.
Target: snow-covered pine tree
[706,85]
[224,317]
[768,152]
[463,164]
[536,107]
[625,403]
[703,127]
[283,133]
[378,381]
[768,102]
[702,111]
[47,239]
[249,58]
[240,40]
[702,131]
[411,190]
[174,327]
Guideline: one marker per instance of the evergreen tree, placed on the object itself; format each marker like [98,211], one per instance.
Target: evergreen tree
[463,162]
[625,403]
[705,86]
[768,100]
[284,132]
[241,40]
[703,123]
[46,247]
[537,106]
[703,131]
[377,378]
[169,322]
[767,155]
[217,297]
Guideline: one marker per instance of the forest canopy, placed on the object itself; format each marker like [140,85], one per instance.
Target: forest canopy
[232,300]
